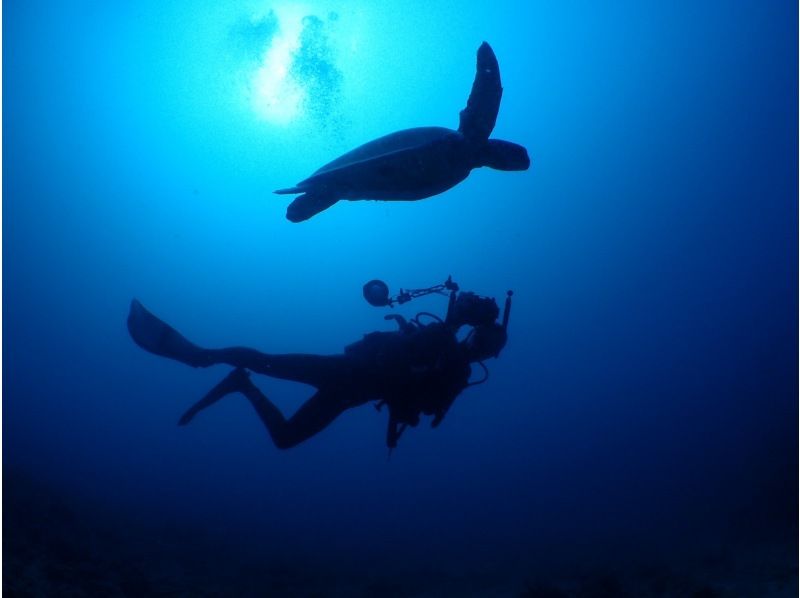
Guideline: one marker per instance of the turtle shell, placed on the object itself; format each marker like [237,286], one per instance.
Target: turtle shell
[401,141]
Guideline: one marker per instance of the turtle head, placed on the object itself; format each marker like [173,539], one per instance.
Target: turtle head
[503,155]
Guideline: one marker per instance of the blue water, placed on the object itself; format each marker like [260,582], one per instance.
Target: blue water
[646,402]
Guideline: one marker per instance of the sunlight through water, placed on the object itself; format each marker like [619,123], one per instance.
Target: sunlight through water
[277,95]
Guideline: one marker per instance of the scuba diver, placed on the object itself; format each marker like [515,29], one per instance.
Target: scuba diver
[418,369]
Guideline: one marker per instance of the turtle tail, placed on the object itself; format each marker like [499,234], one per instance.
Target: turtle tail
[504,155]
[308,205]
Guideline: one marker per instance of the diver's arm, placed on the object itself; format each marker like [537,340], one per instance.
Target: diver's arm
[448,398]
[442,411]
[399,420]
[450,311]
[402,323]
[392,431]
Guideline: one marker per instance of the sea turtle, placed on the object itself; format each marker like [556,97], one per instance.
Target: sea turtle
[416,163]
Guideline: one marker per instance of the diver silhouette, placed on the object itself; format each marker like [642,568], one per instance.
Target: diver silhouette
[418,369]
[416,163]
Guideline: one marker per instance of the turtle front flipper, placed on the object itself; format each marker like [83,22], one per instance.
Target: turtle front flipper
[477,119]
[308,205]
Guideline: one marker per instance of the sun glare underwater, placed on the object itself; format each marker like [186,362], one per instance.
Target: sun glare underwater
[636,436]
[294,63]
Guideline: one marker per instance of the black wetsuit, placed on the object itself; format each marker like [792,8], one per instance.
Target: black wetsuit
[413,372]
[419,370]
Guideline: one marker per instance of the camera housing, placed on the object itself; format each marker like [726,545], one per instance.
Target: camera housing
[473,310]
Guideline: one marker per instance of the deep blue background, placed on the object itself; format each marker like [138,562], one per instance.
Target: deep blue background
[647,398]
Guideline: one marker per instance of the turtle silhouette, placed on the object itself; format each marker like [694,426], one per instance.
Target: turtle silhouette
[416,163]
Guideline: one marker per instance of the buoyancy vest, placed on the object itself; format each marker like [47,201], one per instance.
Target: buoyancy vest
[413,371]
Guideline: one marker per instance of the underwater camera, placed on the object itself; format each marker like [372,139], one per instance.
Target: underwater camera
[474,310]
[376,292]
[466,309]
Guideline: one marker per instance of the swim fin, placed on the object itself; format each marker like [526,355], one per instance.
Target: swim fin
[159,338]
[236,381]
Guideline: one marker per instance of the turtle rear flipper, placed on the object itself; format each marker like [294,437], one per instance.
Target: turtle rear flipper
[504,155]
[308,205]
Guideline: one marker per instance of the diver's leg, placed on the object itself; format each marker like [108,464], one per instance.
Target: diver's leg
[156,336]
[312,417]
[316,370]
